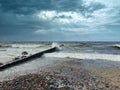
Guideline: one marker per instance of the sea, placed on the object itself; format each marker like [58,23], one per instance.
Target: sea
[82,50]
[100,54]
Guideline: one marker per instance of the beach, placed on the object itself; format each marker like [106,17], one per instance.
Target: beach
[78,66]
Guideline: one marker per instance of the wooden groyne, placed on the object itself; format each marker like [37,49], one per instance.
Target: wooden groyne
[19,61]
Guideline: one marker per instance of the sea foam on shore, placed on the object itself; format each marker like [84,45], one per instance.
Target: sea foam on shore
[92,56]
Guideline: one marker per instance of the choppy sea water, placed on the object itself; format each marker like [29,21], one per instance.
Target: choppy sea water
[8,51]
[101,54]
[85,50]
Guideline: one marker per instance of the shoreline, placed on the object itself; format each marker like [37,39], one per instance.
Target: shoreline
[68,74]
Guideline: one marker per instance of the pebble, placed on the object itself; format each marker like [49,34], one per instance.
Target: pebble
[1,63]
[70,80]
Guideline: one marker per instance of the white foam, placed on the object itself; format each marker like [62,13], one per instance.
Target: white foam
[25,45]
[93,56]
[30,67]
[117,45]
[54,44]
[11,53]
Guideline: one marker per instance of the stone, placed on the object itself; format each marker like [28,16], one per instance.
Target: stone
[24,53]
[1,63]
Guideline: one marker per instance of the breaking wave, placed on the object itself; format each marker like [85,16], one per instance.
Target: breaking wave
[93,56]
[117,46]
[54,44]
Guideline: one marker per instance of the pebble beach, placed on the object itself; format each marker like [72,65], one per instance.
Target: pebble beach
[67,75]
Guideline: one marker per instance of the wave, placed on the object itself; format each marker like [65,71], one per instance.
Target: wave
[25,45]
[5,46]
[116,46]
[93,56]
[58,47]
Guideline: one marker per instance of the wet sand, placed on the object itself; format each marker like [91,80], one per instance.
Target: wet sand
[72,74]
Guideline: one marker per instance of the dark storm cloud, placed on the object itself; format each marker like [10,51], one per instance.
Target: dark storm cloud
[31,6]
[21,18]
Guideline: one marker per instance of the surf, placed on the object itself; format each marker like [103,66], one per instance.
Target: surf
[92,56]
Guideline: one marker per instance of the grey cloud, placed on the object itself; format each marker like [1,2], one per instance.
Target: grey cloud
[26,7]
[17,14]
[17,18]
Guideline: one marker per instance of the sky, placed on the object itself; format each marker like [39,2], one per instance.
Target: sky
[59,20]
